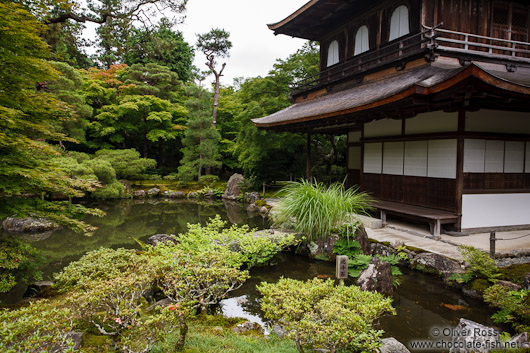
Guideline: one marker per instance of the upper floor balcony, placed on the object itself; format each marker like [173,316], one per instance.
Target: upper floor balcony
[431,42]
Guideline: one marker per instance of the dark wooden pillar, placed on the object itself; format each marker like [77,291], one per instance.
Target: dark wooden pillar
[308,157]
[460,166]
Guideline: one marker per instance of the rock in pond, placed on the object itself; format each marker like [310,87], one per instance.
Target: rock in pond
[177,194]
[161,238]
[153,192]
[392,345]
[251,197]
[27,225]
[140,193]
[362,237]
[253,208]
[233,188]
[437,264]
[472,334]
[377,277]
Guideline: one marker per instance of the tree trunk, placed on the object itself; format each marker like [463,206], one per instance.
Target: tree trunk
[183,329]
[215,99]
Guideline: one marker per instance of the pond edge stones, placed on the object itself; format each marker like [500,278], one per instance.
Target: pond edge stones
[27,225]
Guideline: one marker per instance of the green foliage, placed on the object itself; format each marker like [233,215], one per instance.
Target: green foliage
[162,46]
[39,327]
[114,190]
[515,273]
[18,262]
[238,243]
[209,179]
[318,315]
[315,209]
[127,163]
[480,265]
[348,247]
[102,169]
[29,123]
[200,140]
[514,305]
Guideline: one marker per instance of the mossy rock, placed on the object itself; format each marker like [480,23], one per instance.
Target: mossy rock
[96,343]
[515,273]
[480,285]
[260,203]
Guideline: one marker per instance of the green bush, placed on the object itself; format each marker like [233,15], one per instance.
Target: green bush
[209,179]
[316,210]
[39,327]
[238,243]
[127,163]
[114,190]
[19,261]
[102,169]
[514,306]
[318,315]
[480,265]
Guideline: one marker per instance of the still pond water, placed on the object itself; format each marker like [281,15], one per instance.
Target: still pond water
[421,301]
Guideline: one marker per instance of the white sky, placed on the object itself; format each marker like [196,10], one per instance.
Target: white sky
[255,47]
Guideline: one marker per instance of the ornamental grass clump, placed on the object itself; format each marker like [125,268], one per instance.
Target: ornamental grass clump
[316,209]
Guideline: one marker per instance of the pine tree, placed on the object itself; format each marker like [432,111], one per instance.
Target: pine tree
[201,139]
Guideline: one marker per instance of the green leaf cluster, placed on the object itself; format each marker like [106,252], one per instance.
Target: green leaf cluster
[319,315]
[514,306]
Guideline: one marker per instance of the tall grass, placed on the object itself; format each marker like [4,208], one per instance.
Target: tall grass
[315,209]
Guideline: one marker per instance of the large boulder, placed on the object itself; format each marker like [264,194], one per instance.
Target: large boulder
[177,194]
[519,341]
[27,225]
[436,264]
[472,334]
[233,188]
[248,327]
[392,345]
[377,277]
[321,249]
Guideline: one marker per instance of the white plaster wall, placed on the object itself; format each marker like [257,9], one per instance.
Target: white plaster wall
[383,127]
[441,162]
[514,157]
[474,154]
[495,210]
[416,158]
[393,158]
[432,122]
[494,157]
[354,157]
[373,157]
[498,121]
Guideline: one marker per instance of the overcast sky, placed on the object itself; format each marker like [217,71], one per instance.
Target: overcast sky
[255,47]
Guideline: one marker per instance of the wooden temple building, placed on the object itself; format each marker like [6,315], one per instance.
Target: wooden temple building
[434,96]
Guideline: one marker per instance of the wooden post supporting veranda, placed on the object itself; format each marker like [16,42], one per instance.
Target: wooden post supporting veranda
[308,157]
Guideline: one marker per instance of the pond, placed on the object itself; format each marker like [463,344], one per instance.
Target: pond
[421,301]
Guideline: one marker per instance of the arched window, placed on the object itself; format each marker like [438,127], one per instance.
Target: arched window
[361,41]
[399,23]
[333,53]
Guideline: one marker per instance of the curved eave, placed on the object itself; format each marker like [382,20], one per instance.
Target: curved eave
[297,13]
[417,89]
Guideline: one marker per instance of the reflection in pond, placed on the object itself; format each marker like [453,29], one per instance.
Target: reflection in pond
[421,301]
[127,221]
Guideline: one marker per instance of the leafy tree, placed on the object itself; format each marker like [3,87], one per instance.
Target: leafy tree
[161,46]
[318,315]
[215,44]
[27,120]
[200,138]
[152,79]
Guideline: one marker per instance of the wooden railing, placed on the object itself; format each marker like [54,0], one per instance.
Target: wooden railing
[399,49]
[473,44]
[431,39]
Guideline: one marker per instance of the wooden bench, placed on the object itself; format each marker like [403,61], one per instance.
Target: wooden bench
[435,217]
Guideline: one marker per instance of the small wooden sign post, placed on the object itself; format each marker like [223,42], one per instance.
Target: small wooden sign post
[342,268]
